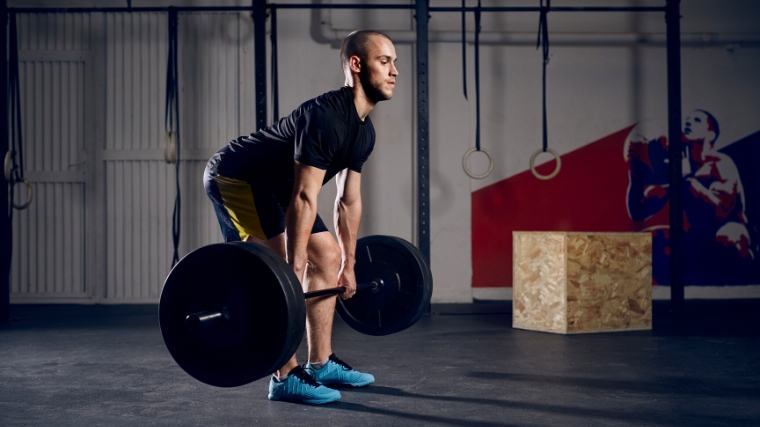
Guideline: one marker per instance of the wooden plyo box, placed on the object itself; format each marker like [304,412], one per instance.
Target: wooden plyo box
[572,282]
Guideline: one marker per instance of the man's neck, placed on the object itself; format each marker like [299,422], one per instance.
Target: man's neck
[362,103]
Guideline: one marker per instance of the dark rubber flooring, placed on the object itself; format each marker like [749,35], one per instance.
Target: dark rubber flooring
[465,366]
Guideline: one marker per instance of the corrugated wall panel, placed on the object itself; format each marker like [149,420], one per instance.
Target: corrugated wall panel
[199,223]
[49,237]
[136,80]
[139,190]
[53,114]
[140,200]
[48,243]
[138,230]
[210,63]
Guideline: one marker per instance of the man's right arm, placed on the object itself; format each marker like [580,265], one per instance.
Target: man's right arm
[301,214]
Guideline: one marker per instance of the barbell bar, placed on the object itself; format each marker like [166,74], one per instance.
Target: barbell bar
[217,318]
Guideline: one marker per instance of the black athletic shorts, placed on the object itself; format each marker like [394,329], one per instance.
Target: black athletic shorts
[250,208]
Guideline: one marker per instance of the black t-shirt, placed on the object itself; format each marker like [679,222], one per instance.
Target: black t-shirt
[325,132]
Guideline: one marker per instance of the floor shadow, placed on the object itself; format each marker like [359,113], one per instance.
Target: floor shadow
[663,385]
[621,415]
[347,406]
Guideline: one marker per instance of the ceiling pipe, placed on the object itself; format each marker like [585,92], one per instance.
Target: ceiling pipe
[727,40]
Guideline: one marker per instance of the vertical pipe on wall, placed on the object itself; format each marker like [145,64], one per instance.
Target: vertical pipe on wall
[423,130]
[260,60]
[275,82]
[677,265]
[6,247]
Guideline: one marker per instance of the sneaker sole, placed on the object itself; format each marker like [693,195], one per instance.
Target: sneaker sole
[355,385]
[298,400]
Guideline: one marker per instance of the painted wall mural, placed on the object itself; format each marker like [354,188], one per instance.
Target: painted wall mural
[620,183]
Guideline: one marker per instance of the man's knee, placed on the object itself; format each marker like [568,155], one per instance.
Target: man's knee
[325,262]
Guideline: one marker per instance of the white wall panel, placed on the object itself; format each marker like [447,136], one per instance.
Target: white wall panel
[136,58]
[48,238]
[140,203]
[53,114]
[138,228]
[140,186]
[211,100]
[48,244]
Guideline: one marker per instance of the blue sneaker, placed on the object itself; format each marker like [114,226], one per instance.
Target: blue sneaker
[301,387]
[337,371]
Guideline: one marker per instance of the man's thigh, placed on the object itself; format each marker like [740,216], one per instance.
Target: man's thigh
[252,210]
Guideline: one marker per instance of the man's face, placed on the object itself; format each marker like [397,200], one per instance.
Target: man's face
[696,127]
[378,73]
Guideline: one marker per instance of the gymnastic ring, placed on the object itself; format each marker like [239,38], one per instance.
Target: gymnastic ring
[170,147]
[8,165]
[29,195]
[467,171]
[556,169]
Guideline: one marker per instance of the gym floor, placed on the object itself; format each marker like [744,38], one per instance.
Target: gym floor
[463,365]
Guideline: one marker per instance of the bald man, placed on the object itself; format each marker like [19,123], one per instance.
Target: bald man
[264,189]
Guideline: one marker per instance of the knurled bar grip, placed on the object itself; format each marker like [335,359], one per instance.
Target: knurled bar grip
[340,289]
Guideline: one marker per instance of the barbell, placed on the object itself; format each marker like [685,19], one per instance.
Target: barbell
[232,313]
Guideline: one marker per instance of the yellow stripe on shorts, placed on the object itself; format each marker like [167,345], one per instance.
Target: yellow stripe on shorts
[238,200]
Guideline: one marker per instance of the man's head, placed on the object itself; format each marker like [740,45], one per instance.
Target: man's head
[701,126]
[370,57]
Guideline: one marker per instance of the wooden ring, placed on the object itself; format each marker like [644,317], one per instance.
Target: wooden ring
[29,194]
[556,169]
[8,165]
[170,147]
[467,171]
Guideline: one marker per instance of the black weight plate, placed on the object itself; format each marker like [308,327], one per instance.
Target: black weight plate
[408,286]
[267,313]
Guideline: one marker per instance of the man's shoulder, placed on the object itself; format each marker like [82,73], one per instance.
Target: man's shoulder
[333,101]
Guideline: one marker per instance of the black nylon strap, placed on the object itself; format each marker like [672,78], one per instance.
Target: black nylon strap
[14,107]
[15,95]
[543,42]
[171,121]
[477,77]
[275,83]
[464,49]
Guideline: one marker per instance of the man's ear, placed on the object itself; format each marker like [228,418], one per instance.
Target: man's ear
[355,64]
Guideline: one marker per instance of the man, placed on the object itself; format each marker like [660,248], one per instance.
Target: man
[713,197]
[264,188]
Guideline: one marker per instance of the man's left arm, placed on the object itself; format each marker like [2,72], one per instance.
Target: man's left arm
[348,212]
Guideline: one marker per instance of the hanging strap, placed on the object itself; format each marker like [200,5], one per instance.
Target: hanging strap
[464,49]
[477,97]
[543,42]
[275,83]
[171,122]
[477,77]
[13,165]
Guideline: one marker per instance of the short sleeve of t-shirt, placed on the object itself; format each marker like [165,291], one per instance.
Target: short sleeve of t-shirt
[316,138]
[357,164]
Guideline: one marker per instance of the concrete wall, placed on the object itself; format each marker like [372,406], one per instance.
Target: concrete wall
[597,83]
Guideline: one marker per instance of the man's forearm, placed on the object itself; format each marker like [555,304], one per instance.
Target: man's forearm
[299,221]
[347,218]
